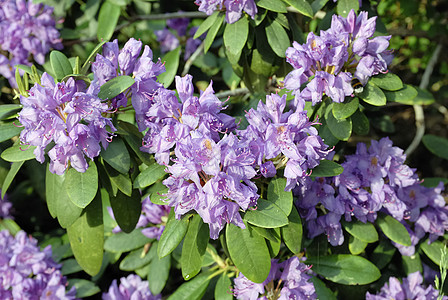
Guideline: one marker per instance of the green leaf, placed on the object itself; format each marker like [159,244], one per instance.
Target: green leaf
[273,5]
[86,237]
[277,38]
[172,235]
[193,248]
[11,226]
[193,289]
[293,232]
[223,288]
[344,268]
[84,288]
[159,273]
[70,266]
[149,175]
[66,211]
[345,109]
[107,20]
[8,110]
[206,24]
[126,210]
[322,291]
[363,231]
[156,193]
[15,167]
[432,182]
[117,155]
[60,64]
[412,264]
[373,95]
[267,233]
[423,97]
[302,6]
[356,246]
[266,215]
[18,153]
[91,58]
[436,144]
[235,35]
[123,242]
[317,5]
[327,168]
[213,31]
[344,7]
[115,86]
[134,138]
[119,180]
[171,60]
[394,230]
[138,258]
[361,124]
[341,129]
[53,183]
[274,245]
[82,187]
[249,252]
[8,130]
[405,96]
[278,196]
[433,250]
[388,81]
[383,253]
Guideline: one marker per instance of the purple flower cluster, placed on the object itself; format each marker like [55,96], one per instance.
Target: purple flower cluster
[283,139]
[5,207]
[411,288]
[28,273]
[286,280]
[131,287]
[234,8]
[170,41]
[69,115]
[128,61]
[374,179]
[25,29]
[327,63]
[152,219]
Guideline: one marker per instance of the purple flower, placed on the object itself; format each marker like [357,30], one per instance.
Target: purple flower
[131,287]
[179,24]
[25,29]
[5,207]
[234,8]
[411,288]
[286,280]
[168,41]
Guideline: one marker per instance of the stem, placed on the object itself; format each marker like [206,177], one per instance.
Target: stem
[234,92]
[192,58]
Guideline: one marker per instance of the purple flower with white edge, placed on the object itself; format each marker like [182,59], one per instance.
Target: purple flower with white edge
[130,288]
[234,8]
[71,118]
[286,280]
[411,288]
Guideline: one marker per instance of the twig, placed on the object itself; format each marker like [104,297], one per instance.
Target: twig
[192,58]
[419,115]
[234,92]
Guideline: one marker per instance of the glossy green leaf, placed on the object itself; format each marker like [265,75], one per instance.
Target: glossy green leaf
[345,109]
[273,5]
[266,215]
[193,248]
[70,266]
[117,155]
[18,153]
[317,5]
[322,291]
[123,242]
[126,210]
[91,58]
[277,38]
[86,237]
[436,144]
[206,24]
[149,175]
[60,64]
[66,211]
[345,6]
[10,225]
[212,32]
[405,96]
[84,288]
[373,95]
[363,231]
[383,253]
[115,86]
[433,250]
[302,6]
[267,233]
[278,196]
[356,246]
[134,138]
[139,258]
[432,182]
[423,97]
[119,181]
[172,235]
[81,187]
[344,268]
[387,81]
[171,60]
[53,183]
[274,245]
[412,264]
[15,167]
[235,35]
[160,271]
[8,130]
[360,123]
[248,252]
[393,229]
[293,232]
[327,168]
[107,20]
[156,193]
[8,110]
[341,129]
[193,289]
[223,288]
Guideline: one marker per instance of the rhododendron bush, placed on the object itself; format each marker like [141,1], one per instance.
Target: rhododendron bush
[251,149]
